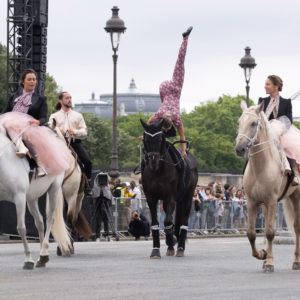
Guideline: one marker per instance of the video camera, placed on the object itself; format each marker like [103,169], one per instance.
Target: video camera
[102,178]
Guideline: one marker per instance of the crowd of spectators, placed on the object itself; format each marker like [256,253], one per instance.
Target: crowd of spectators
[216,209]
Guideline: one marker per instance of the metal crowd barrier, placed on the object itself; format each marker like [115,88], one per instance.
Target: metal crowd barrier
[206,221]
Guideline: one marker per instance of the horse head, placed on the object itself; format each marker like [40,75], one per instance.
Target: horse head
[52,125]
[250,124]
[154,144]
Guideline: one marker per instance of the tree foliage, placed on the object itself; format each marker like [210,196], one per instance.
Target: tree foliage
[99,143]
[52,90]
[3,93]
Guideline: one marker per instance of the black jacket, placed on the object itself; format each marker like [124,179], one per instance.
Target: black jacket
[38,108]
[284,109]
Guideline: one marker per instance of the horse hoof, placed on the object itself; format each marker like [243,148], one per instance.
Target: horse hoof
[28,265]
[170,252]
[264,265]
[58,251]
[296,266]
[269,268]
[155,254]
[42,261]
[180,252]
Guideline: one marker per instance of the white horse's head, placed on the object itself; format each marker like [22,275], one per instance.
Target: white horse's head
[52,125]
[250,123]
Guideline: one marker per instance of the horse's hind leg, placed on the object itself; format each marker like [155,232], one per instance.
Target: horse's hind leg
[20,202]
[33,207]
[182,217]
[251,233]
[155,228]
[51,204]
[293,213]
[170,238]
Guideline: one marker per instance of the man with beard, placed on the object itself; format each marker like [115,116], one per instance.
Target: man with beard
[73,127]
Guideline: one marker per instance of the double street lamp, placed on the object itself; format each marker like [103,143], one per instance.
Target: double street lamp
[115,26]
[248,64]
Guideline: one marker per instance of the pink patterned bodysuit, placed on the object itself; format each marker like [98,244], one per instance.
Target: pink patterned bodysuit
[170,91]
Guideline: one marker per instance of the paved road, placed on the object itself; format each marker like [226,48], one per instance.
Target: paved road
[219,268]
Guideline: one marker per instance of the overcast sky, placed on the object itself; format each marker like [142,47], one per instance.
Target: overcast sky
[79,50]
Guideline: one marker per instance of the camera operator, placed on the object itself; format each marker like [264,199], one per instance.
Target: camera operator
[102,200]
[139,226]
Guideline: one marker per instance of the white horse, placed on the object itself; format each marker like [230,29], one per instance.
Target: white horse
[16,188]
[265,182]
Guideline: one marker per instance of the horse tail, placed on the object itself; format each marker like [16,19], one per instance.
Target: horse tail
[59,229]
[289,213]
[82,226]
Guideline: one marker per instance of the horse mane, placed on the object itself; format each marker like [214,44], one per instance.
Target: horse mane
[271,136]
[273,140]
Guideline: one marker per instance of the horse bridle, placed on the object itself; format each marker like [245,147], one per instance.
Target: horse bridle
[153,153]
[254,138]
[159,154]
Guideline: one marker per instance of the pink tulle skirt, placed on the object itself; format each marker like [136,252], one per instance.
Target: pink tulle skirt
[289,137]
[53,153]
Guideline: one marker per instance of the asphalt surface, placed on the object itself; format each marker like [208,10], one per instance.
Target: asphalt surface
[213,268]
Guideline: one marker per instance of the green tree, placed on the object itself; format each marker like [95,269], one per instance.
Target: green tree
[99,143]
[52,90]
[3,94]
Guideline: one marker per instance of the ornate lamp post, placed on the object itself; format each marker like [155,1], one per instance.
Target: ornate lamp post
[248,64]
[115,26]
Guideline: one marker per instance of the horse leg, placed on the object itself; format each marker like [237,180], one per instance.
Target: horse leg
[292,211]
[183,208]
[170,238]
[270,233]
[251,233]
[33,208]
[155,228]
[21,209]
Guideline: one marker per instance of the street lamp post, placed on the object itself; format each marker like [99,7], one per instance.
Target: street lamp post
[248,64]
[115,26]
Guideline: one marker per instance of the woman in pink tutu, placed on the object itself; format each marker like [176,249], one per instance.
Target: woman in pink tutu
[25,111]
[170,92]
[279,111]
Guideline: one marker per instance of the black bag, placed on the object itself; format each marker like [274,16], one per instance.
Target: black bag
[197,206]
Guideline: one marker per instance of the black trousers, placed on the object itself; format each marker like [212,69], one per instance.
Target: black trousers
[101,216]
[83,157]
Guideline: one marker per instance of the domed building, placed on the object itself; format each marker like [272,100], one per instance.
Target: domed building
[131,102]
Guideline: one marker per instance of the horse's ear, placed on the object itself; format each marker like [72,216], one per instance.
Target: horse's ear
[243,105]
[144,124]
[260,107]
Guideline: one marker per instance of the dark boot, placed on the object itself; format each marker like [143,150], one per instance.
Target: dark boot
[187,32]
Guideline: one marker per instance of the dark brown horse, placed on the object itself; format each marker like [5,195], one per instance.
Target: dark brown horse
[168,177]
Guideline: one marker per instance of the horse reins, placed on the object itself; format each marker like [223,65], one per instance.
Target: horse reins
[254,138]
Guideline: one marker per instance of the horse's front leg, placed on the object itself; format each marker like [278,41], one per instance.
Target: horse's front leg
[251,233]
[152,203]
[171,240]
[270,233]
[21,208]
